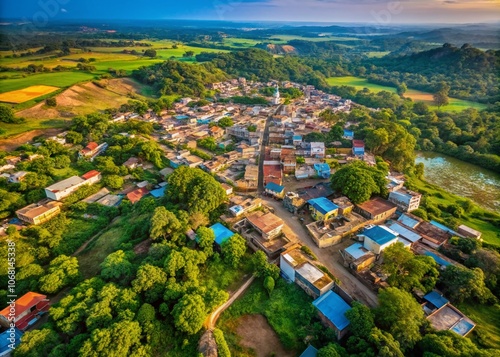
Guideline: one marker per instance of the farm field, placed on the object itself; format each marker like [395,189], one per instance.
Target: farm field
[62,79]
[415,95]
[23,95]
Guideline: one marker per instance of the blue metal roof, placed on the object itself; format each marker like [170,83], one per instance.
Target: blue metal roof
[222,234]
[297,137]
[437,258]
[348,133]
[322,167]
[436,299]
[323,205]
[159,192]
[310,351]
[333,307]
[358,151]
[408,221]
[356,250]
[379,235]
[4,342]
[405,232]
[274,187]
[443,227]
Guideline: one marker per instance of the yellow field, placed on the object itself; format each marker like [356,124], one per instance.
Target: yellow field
[23,95]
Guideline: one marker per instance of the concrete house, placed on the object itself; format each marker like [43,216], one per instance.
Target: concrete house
[376,209]
[268,225]
[322,209]
[405,199]
[377,238]
[317,150]
[358,147]
[38,213]
[29,308]
[275,190]
[66,187]
[332,308]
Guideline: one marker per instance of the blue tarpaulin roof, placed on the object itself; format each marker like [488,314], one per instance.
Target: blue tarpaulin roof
[379,235]
[333,307]
[436,299]
[159,192]
[274,187]
[222,234]
[323,205]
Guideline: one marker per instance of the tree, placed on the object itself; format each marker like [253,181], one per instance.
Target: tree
[37,343]
[206,238]
[359,182]
[225,122]
[116,266]
[441,94]
[62,271]
[148,276]
[146,314]
[234,249]
[51,102]
[113,181]
[164,223]
[401,315]
[462,284]
[7,114]
[74,137]
[197,219]
[361,318]
[448,343]
[195,190]
[401,89]
[262,268]
[150,53]
[188,54]
[269,284]
[120,339]
[189,313]
[377,139]
[407,271]
[335,134]
[314,137]
[332,350]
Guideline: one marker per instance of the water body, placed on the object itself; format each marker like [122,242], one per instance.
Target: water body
[463,179]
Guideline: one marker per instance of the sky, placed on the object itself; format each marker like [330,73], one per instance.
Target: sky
[383,12]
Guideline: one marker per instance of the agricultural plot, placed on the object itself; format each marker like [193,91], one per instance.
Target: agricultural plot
[23,95]
[61,79]
[415,95]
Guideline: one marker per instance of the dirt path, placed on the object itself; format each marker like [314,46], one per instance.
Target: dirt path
[257,334]
[84,245]
[212,319]
[14,142]
[329,257]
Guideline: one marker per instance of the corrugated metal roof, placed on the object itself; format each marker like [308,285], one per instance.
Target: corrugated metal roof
[405,232]
[323,205]
[356,250]
[274,187]
[436,299]
[333,307]
[310,351]
[222,234]
[408,221]
[379,234]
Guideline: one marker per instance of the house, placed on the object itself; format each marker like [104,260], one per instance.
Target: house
[110,200]
[216,132]
[12,160]
[293,202]
[17,177]
[310,351]
[227,188]
[9,339]
[376,209]
[96,196]
[273,173]
[345,206]
[322,209]
[443,316]
[158,192]
[432,235]
[318,150]
[268,225]
[297,140]
[406,234]
[137,194]
[132,163]
[304,172]
[92,150]
[348,134]
[332,308]
[377,238]
[27,310]
[358,147]
[357,256]
[275,190]
[166,172]
[38,213]
[405,199]
[322,170]
[66,187]
[410,220]
[222,233]
[296,267]
[469,232]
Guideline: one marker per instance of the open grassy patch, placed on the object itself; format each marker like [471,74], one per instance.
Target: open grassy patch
[416,95]
[60,79]
[487,318]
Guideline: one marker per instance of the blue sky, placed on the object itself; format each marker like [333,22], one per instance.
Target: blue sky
[375,11]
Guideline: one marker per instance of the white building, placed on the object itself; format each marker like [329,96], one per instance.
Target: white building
[405,199]
[377,238]
[66,187]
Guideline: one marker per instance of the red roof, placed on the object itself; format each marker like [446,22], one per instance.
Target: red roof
[90,174]
[136,195]
[358,143]
[25,302]
[273,173]
[92,145]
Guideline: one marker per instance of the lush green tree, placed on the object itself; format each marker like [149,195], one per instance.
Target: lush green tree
[198,219]
[462,284]
[116,266]
[206,238]
[377,140]
[359,182]
[335,134]
[51,102]
[441,95]
[314,137]
[407,271]
[234,249]
[376,343]
[146,314]
[222,347]
[62,271]
[148,276]
[195,190]
[269,284]
[189,313]
[37,343]
[225,122]
[164,223]
[361,318]
[401,89]
[332,350]
[401,315]
[150,53]
[261,266]
[113,181]
[448,343]
[7,114]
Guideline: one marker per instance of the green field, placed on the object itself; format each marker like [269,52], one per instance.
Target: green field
[58,79]
[487,318]
[286,38]
[416,95]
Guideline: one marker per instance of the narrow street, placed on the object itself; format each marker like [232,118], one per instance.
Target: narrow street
[265,142]
[329,257]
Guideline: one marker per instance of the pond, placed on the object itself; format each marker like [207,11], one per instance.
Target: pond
[463,179]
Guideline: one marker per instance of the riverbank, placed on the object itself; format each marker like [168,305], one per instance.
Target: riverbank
[436,199]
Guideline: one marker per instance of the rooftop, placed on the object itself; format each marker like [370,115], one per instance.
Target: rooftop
[380,234]
[65,184]
[333,307]
[313,275]
[358,143]
[310,351]
[405,232]
[409,220]
[36,209]
[376,206]
[90,174]
[323,205]
[137,194]
[25,302]
[436,299]
[357,251]
[274,187]
[222,233]
[450,318]
[265,222]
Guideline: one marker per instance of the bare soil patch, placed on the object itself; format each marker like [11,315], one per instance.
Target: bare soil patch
[15,141]
[257,334]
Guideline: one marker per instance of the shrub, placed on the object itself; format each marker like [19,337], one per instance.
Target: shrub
[222,347]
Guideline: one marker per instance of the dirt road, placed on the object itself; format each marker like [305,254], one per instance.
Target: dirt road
[329,257]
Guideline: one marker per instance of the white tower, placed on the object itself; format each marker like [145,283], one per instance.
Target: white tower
[276,99]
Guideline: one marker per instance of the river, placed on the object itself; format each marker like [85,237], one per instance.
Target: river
[482,186]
